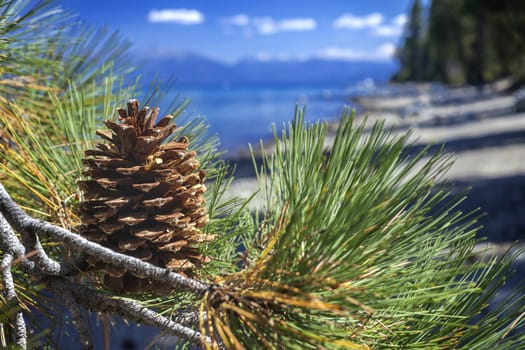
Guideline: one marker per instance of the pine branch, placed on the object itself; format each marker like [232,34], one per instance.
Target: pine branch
[32,242]
[79,318]
[127,309]
[44,269]
[191,318]
[24,223]
[10,294]
[44,262]
[10,244]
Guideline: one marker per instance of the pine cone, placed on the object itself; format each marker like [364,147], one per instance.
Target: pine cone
[144,198]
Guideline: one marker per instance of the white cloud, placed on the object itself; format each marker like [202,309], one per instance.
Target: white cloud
[240,20]
[395,28]
[266,25]
[349,21]
[400,20]
[179,16]
[381,53]
[297,24]
[388,31]
[340,53]
[386,50]
[284,57]
[264,56]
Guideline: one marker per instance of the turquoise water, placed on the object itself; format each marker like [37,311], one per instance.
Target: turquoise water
[243,115]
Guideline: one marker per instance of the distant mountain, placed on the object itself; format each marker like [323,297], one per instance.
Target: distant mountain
[187,69]
[193,69]
[314,71]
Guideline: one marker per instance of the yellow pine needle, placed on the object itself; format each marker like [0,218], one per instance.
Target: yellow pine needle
[202,327]
[283,286]
[394,219]
[275,235]
[226,334]
[370,229]
[246,317]
[368,274]
[359,304]
[311,303]
[257,333]
[33,210]
[25,82]
[244,313]
[341,343]
[227,322]
[21,180]
[347,286]
[33,168]
[513,325]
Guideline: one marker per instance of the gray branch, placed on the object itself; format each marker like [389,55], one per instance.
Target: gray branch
[54,276]
[10,244]
[125,308]
[7,277]
[190,318]
[79,318]
[6,263]
[48,265]
[24,223]
[31,243]
[10,294]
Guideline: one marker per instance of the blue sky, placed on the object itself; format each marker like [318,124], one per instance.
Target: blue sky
[231,30]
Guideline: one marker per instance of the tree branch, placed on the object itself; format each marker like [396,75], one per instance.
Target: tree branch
[24,223]
[125,308]
[10,244]
[48,265]
[10,294]
[190,318]
[6,262]
[45,270]
[79,318]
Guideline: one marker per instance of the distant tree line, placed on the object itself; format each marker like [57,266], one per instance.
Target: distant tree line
[463,42]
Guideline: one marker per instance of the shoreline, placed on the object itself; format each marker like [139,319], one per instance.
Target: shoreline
[484,129]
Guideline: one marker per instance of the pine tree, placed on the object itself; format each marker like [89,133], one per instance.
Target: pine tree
[465,41]
[445,43]
[411,54]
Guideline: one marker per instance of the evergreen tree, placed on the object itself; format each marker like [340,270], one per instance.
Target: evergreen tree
[465,41]
[445,42]
[411,53]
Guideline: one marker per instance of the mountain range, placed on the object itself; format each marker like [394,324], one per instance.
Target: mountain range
[192,69]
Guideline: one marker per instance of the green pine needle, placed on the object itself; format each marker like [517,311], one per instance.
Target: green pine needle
[361,248]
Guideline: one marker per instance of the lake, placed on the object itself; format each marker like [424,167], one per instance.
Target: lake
[242,115]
